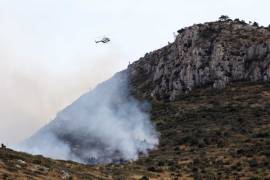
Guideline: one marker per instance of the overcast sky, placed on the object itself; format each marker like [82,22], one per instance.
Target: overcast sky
[48,56]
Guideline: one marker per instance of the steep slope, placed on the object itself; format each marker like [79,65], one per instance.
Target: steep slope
[104,125]
[208,134]
[211,54]
[210,97]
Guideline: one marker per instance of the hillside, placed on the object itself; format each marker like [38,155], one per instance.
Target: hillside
[210,95]
[204,55]
[206,134]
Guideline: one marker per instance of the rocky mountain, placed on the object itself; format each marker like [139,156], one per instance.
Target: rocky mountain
[211,54]
[209,92]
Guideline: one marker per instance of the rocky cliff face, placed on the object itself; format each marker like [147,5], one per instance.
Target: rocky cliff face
[211,54]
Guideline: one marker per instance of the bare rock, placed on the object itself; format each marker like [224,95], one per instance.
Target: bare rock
[211,54]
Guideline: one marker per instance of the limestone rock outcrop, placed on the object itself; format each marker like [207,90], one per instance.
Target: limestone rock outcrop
[211,54]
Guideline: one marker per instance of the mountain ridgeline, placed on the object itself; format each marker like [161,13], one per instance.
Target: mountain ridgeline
[197,108]
[108,125]
[211,54]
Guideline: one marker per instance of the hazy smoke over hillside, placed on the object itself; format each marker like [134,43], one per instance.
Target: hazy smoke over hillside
[104,125]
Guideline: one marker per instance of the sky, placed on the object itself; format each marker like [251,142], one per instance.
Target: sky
[48,57]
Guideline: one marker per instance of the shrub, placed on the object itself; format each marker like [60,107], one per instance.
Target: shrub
[153,169]
[144,178]
[161,163]
[224,18]
[181,30]
[256,24]
[253,163]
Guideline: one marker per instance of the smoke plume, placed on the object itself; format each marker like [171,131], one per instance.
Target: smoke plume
[104,125]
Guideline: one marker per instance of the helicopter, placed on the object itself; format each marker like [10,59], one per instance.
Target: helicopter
[103,40]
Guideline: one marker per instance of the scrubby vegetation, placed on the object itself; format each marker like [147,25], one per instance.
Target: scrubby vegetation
[217,133]
[224,18]
[207,134]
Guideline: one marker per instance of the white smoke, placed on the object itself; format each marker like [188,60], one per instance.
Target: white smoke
[103,126]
